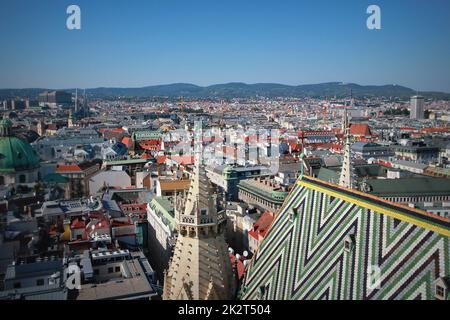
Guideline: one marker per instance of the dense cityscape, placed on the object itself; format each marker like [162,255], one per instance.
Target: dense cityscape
[213,159]
[110,198]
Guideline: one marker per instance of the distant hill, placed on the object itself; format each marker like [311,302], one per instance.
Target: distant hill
[242,90]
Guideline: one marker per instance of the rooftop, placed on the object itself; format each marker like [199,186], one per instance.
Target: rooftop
[423,186]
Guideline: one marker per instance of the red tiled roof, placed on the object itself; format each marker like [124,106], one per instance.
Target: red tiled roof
[160,159]
[115,130]
[68,168]
[150,144]
[78,224]
[263,223]
[184,160]
[121,223]
[239,264]
[127,141]
[360,129]
[294,145]
[435,130]
[253,234]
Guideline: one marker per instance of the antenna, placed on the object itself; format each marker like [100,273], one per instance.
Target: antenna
[76,100]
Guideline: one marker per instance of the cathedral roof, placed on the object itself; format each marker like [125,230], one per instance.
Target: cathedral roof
[325,237]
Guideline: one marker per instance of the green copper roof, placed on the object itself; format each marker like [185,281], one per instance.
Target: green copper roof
[425,186]
[147,135]
[125,162]
[5,122]
[273,196]
[164,209]
[55,178]
[16,155]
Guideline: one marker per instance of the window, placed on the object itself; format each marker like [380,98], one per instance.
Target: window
[22,178]
[40,282]
[17,285]
[349,243]
[110,270]
[117,269]
[203,212]
[440,292]
[262,291]
[96,272]
[293,214]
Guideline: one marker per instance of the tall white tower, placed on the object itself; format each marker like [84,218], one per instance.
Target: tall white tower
[417,108]
[346,178]
[76,101]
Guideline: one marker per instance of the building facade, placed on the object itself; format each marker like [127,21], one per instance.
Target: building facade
[417,108]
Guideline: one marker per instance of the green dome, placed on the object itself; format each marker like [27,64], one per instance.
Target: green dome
[16,155]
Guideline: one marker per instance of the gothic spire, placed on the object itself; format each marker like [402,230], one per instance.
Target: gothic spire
[346,178]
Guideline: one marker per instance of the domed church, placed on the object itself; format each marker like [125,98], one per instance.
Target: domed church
[19,163]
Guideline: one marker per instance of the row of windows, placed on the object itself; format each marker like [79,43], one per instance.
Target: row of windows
[39,283]
[22,179]
[110,270]
[418,199]
[269,205]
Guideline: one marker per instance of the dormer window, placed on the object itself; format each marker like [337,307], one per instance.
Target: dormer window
[441,289]
[440,292]
[261,292]
[293,214]
[349,243]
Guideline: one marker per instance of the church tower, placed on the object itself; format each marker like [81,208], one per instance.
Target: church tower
[346,178]
[41,128]
[200,268]
[70,120]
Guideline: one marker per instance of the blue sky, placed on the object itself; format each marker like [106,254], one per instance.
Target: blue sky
[148,42]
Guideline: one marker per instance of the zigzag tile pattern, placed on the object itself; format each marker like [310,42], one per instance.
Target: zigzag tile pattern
[304,255]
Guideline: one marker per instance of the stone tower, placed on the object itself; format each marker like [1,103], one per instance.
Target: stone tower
[41,128]
[346,178]
[70,120]
[200,268]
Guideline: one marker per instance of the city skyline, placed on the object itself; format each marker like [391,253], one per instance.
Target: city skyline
[234,151]
[208,43]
